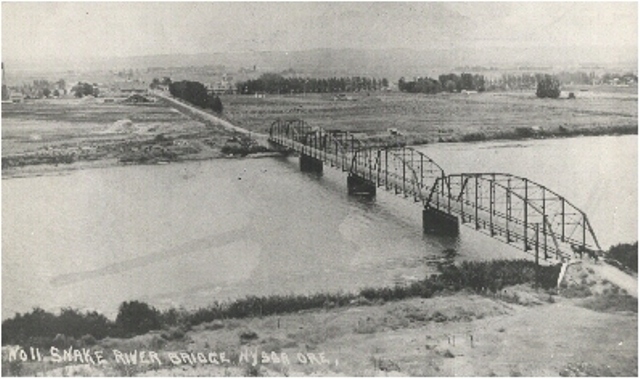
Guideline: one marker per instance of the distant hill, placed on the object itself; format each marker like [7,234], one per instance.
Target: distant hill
[391,63]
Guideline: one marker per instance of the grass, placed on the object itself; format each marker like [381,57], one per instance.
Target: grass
[40,328]
[446,117]
[612,303]
[60,132]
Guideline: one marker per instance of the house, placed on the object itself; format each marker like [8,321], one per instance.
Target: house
[16,97]
[137,98]
[129,88]
[343,97]
[224,86]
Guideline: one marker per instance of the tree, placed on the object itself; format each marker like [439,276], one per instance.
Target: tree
[84,89]
[154,83]
[46,92]
[548,86]
[216,105]
[135,318]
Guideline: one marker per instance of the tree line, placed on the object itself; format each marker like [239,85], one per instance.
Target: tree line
[277,84]
[446,82]
[196,93]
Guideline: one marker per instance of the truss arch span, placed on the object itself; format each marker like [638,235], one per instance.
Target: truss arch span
[400,169]
[516,210]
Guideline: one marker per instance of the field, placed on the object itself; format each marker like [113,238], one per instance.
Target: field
[49,135]
[447,117]
[40,135]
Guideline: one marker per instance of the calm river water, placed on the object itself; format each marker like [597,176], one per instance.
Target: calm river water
[189,234]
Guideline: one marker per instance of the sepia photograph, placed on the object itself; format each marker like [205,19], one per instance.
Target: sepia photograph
[359,189]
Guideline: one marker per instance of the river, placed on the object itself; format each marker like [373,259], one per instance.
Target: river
[189,234]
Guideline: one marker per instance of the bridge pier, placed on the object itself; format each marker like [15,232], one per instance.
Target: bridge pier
[437,221]
[360,186]
[310,164]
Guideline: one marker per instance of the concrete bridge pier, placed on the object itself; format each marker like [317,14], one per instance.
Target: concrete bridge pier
[310,164]
[360,186]
[437,221]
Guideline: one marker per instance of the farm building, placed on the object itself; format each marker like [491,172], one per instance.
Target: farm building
[16,97]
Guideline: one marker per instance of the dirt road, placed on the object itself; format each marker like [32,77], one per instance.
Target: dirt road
[181,106]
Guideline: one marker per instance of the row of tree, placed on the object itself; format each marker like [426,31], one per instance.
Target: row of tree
[448,83]
[531,80]
[278,84]
[547,85]
[196,93]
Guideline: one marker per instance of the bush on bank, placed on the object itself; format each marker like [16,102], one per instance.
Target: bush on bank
[75,328]
[626,254]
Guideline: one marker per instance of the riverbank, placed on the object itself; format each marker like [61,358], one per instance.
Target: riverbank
[53,136]
[587,328]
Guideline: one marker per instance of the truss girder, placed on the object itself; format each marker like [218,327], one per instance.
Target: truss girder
[517,210]
[331,146]
[402,170]
[507,207]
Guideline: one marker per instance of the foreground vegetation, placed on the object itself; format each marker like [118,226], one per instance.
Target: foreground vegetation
[472,332]
[72,327]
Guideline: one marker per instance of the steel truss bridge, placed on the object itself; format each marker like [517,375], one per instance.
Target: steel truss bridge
[509,208]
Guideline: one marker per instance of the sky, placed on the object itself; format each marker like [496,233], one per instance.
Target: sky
[85,30]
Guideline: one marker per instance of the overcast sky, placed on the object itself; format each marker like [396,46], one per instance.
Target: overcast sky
[37,31]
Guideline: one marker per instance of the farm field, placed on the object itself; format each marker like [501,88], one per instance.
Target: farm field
[447,117]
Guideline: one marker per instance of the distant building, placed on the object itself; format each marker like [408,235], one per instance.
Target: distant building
[224,86]
[16,97]
[129,88]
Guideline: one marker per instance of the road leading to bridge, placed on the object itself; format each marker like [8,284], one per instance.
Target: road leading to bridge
[199,113]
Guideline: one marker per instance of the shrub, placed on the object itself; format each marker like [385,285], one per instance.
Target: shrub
[473,137]
[548,86]
[136,317]
[247,335]
[216,105]
[626,254]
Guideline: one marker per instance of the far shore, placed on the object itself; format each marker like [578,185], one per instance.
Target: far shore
[35,170]
[54,136]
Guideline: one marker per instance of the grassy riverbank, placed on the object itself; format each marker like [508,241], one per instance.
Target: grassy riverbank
[39,328]
[476,319]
